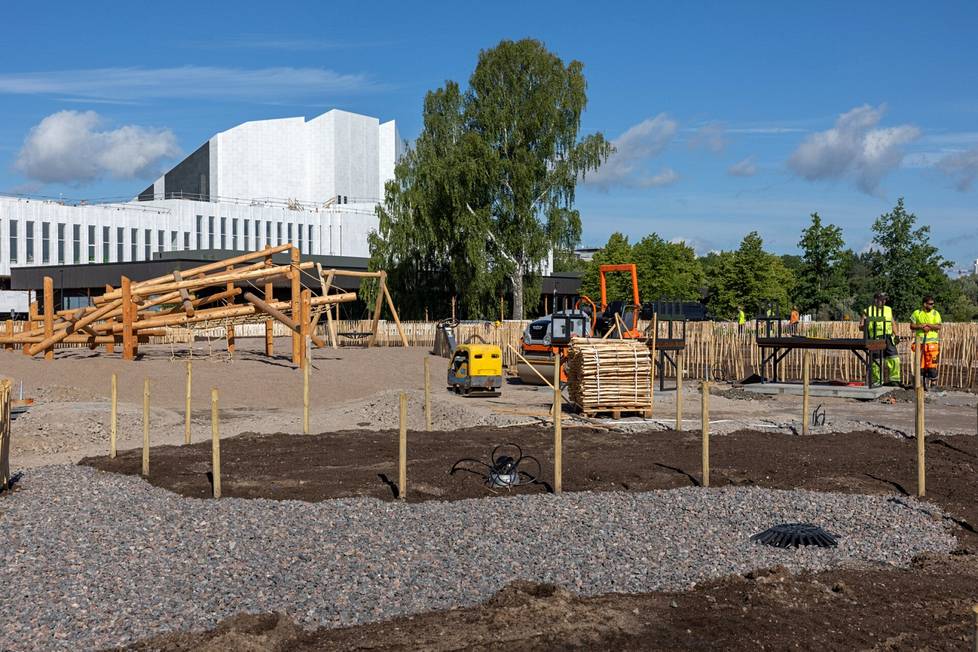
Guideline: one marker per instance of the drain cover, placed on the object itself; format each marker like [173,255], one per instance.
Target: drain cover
[796,534]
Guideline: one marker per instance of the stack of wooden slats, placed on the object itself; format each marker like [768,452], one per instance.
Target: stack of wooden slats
[609,375]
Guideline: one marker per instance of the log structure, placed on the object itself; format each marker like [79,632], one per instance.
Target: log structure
[610,376]
[130,313]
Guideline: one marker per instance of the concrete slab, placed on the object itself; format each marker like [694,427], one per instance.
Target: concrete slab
[817,390]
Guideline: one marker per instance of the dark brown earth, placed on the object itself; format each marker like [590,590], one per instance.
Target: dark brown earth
[927,606]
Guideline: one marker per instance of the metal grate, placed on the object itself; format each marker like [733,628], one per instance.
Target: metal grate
[796,534]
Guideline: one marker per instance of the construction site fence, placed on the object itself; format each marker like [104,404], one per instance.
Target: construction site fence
[723,350]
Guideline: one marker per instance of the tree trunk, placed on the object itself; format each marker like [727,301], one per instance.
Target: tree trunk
[517,280]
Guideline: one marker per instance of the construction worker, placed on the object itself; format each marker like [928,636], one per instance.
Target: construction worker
[793,320]
[877,320]
[926,326]
[741,319]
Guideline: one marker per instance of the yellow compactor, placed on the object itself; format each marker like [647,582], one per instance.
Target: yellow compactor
[476,370]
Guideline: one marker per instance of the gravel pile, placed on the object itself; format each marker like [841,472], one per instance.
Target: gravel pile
[93,559]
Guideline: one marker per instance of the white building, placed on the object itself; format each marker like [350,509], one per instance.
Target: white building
[314,183]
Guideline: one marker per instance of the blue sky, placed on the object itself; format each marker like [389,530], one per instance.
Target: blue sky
[728,117]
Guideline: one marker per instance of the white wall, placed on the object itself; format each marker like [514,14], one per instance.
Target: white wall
[337,230]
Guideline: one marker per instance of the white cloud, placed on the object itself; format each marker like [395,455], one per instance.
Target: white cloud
[199,82]
[962,167]
[68,147]
[711,136]
[854,148]
[745,168]
[641,142]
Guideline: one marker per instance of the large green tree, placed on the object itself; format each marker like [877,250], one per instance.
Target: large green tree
[667,270]
[750,277]
[488,190]
[820,282]
[616,251]
[904,264]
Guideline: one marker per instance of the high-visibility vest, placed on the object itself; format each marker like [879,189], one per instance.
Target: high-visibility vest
[924,317]
[741,317]
[879,321]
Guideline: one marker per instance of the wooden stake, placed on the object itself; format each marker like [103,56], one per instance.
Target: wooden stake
[49,314]
[215,445]
[680,360]
[558,436]
[186,426]
[402,451]
[974,610]
[269,324]
[705,418]
[921,433]
[146,427]
[375,319]
[390,306]
[655,334]
[296,299]
[305,389]
[805,373]
[453,306]
[6,385]
[114,418]
[10,335]
[128,349]
[427,394]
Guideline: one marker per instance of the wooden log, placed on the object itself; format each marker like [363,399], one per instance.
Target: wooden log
[215,447]
[375,319]
[269,324]
[353,274]
[402,450]
[229,329]
[920,431]
[50,340]
[558,435]
[655,336]
[390,306]
[680,363]
[296,298]
[49,314]
[5,390]
[128,346]
[188,306]
[324,284]
[146,428]
[141,287]
[217,279]
[190,380]
[9,346]
[276,314]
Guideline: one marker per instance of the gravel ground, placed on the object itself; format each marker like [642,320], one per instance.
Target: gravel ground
[93,559]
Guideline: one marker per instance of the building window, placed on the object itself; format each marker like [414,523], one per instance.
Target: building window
[309,240]
[247,244]
[148,244]
[106,245]
[186,241]
[13,241]
[160,239]
[76,243]
[120,244]
[257,234]
[200,231]
[91,244]
[61,244]
[30,242]
[234,234]
[174,241]
[288,230]
[268,234]
[224,233]
[210,230]
[278,229]
[134,244]
[45,242]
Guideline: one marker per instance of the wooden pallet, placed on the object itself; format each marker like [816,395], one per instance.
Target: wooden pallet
[616,412]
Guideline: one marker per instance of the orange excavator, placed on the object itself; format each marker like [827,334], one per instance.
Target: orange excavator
[548,338]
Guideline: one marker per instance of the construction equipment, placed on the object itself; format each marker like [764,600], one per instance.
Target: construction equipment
[547,339]
[476,369]
[616,318]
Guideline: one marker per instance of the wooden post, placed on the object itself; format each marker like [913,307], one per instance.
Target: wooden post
[705,418]
[402,451]
[128,350]
[305,308]
[114,417]
[502,309]
[269,324]
[146,427]
[48,314]
[680,360]
[390,306]
[921,433]
[427,394]
[325,284]
[5,387]
[558,436]
[230,327]
[655,334]
[215,446]
[186,425]
[306,363]
[805,373]
[453,306]
[10,334]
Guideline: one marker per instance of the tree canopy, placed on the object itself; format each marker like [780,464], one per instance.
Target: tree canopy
[488,189]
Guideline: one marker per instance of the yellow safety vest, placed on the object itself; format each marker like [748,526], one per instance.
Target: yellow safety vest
[741,317]
[879,321]
[924,317]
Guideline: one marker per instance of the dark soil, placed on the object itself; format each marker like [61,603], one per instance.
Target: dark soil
[364,463]
[927,606]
